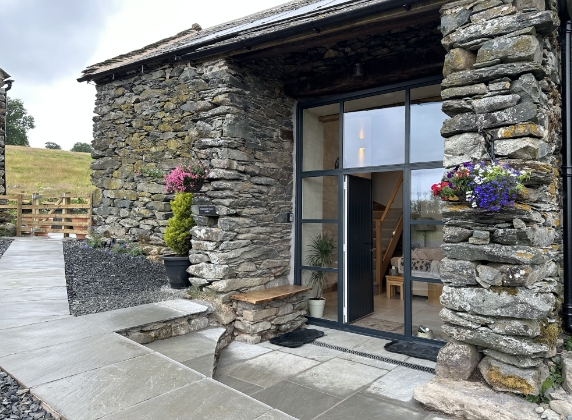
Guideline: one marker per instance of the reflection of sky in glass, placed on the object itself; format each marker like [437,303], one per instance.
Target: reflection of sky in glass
[374,137]
[426,142]
[422,200]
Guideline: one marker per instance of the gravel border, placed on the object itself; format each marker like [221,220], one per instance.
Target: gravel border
[99,281]
[4,244]
[17,402]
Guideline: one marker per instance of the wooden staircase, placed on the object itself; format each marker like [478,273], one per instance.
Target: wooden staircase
[387,230]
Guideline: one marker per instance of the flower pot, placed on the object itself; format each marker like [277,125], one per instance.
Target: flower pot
[316,307]
[196,187]
[177,271]
[45,227]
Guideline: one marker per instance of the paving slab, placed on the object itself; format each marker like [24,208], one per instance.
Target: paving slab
[320,354]
[275,415]
[296,400]
[269,368]
[343,339]
[51,363]
[26,338]
[361,406]
[205,400]
[29,320]
[26,279]
[33,294]
[184,347]
[399,383]
[237,352]
[367,361]
[238,384]
[375,346]
[338,377]
[137,316]
[96,393]
[202,364]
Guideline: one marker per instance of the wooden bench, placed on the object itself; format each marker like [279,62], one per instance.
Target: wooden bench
[263,314]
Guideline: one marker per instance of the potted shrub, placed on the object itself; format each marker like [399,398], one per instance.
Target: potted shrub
[322,254]
[177,234]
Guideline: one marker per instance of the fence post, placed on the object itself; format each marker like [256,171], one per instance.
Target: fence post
[66,201]
[19,221]
[36,214]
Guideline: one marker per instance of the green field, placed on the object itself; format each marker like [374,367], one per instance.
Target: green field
[46,171]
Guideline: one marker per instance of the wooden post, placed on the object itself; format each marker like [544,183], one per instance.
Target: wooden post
[66,201]
[19,221]
[35,213]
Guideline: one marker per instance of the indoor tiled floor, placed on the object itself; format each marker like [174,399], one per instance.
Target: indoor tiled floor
[388,314]
[312,382]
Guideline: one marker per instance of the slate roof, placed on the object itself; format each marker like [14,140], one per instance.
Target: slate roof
[241,32]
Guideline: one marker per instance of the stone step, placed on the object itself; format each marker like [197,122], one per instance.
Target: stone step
[196,350]
[154,321]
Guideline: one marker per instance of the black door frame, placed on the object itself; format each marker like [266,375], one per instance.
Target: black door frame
[406,167]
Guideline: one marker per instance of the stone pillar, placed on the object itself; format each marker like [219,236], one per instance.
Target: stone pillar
[503,270]
[3,76]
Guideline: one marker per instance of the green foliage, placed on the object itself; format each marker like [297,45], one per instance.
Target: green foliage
[95,239]
[322,254]
[128,248]
[52,146]
[18,123]
[554,380]
[177,234]
[568,343]
[82,148]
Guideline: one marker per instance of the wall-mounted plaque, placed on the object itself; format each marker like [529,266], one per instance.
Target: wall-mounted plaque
[207,211]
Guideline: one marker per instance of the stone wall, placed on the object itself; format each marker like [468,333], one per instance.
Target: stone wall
[503,271]
[239,122]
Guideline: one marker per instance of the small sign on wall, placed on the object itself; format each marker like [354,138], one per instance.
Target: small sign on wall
[207,211]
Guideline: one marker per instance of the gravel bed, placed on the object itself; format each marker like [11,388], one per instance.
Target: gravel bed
[17,402]
[4,244]
[99,281]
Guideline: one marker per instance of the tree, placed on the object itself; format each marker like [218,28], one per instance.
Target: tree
[82,148]
[52,145]
[18,122]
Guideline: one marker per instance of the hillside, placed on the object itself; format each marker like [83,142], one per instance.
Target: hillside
[46,171]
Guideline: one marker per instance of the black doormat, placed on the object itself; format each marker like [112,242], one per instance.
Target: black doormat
[296,338]
[421,351]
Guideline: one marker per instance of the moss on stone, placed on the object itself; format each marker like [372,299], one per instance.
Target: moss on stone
[511,382]
[549,334]
[512,291]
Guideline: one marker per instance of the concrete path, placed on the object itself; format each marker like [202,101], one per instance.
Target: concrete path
[81,369]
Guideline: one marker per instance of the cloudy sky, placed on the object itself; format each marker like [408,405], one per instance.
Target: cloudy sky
[45,44]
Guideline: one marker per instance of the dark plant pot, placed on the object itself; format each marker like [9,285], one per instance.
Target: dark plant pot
[196,186]
[177,271]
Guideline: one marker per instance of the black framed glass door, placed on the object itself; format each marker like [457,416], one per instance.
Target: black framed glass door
[383,138]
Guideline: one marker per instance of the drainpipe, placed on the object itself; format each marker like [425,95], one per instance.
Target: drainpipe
[6,89]
[567,178]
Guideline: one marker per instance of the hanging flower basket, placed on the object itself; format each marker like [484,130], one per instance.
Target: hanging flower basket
[186,178]
[481,185]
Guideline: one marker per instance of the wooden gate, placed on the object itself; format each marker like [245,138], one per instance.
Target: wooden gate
[40,215]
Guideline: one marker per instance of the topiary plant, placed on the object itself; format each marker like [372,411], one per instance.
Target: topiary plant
[178,235]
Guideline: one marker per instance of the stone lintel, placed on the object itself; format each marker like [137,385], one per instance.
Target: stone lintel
[268,295]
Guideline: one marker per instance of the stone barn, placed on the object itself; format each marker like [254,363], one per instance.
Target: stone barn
[330,120]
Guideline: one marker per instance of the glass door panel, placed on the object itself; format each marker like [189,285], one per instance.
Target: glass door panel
[320,137]
[320,197]
[374,130]
[426,143]
[425,308]
[425,206]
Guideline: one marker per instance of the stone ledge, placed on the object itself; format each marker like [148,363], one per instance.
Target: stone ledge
[268,295]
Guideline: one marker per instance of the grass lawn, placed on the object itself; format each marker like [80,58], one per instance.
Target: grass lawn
[48,172]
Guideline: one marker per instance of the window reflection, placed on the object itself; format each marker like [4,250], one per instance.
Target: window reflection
[320,197]
[425,308]
[423,204]
[426,143]
[374,130]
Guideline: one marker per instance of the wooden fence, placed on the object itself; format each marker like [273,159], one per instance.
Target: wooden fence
[40,215]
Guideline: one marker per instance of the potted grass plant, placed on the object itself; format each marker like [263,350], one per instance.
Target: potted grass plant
[322,253]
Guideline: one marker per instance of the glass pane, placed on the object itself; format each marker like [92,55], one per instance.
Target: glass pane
[329,293]
[423,204]
[322,239]
[425,307]
[320,197]
[374,130]
[426,251]
[320,137]
[426,143]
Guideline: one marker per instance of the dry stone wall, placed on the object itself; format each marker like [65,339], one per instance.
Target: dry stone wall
[238,121]
[503,270]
